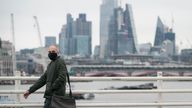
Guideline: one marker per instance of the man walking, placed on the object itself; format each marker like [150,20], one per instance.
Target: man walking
[54,78]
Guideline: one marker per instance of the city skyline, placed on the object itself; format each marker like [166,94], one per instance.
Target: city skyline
[52,14]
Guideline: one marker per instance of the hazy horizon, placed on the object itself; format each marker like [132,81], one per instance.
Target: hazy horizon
[52,15]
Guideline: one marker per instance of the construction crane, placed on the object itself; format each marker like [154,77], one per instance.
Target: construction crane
[120,3]
[172,22]
[38,30]
[13,44]
[189,43]
[43,62]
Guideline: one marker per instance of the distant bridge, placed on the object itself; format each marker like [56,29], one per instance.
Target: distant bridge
[128,67]
[145,70]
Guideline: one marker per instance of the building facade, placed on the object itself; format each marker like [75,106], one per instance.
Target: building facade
[145,48]
[75,37]
[165,36]
[106,11]
[6,64]
[66,40]
[122,36]
[186,55]
[96,52]
[50,40]
[160,31]
[83,45]
[170,35]
[167,48]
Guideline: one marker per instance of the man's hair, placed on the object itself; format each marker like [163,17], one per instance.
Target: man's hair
[55,47]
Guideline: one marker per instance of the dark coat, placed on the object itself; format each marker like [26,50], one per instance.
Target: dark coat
[54,78]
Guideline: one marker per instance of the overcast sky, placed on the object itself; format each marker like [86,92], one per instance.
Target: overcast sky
[52,15]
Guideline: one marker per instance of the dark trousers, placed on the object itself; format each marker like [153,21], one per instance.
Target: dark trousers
[47,103]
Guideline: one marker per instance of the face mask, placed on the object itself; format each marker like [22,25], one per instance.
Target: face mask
[52,56]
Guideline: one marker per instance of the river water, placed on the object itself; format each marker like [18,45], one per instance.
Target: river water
[124,98]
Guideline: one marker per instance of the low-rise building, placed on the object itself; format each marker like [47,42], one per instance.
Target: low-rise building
[186,55]
[6,64]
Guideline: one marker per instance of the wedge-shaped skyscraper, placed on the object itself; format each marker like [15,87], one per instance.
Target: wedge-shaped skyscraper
[122,35]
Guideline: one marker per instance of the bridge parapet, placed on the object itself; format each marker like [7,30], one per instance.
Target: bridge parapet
[159,90]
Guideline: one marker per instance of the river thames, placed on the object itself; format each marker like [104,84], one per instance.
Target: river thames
[123,98]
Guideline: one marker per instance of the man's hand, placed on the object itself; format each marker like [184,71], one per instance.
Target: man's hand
[26,94]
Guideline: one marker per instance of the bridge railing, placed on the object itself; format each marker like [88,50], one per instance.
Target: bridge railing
[159,90]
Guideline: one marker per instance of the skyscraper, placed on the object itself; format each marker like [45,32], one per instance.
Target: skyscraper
[130,27]
[159,35]
[163,35]
[82,34]
[66,40]
[170,35]
[62,41]
[122,37]
[50,40]
[75,37]
[106,11]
